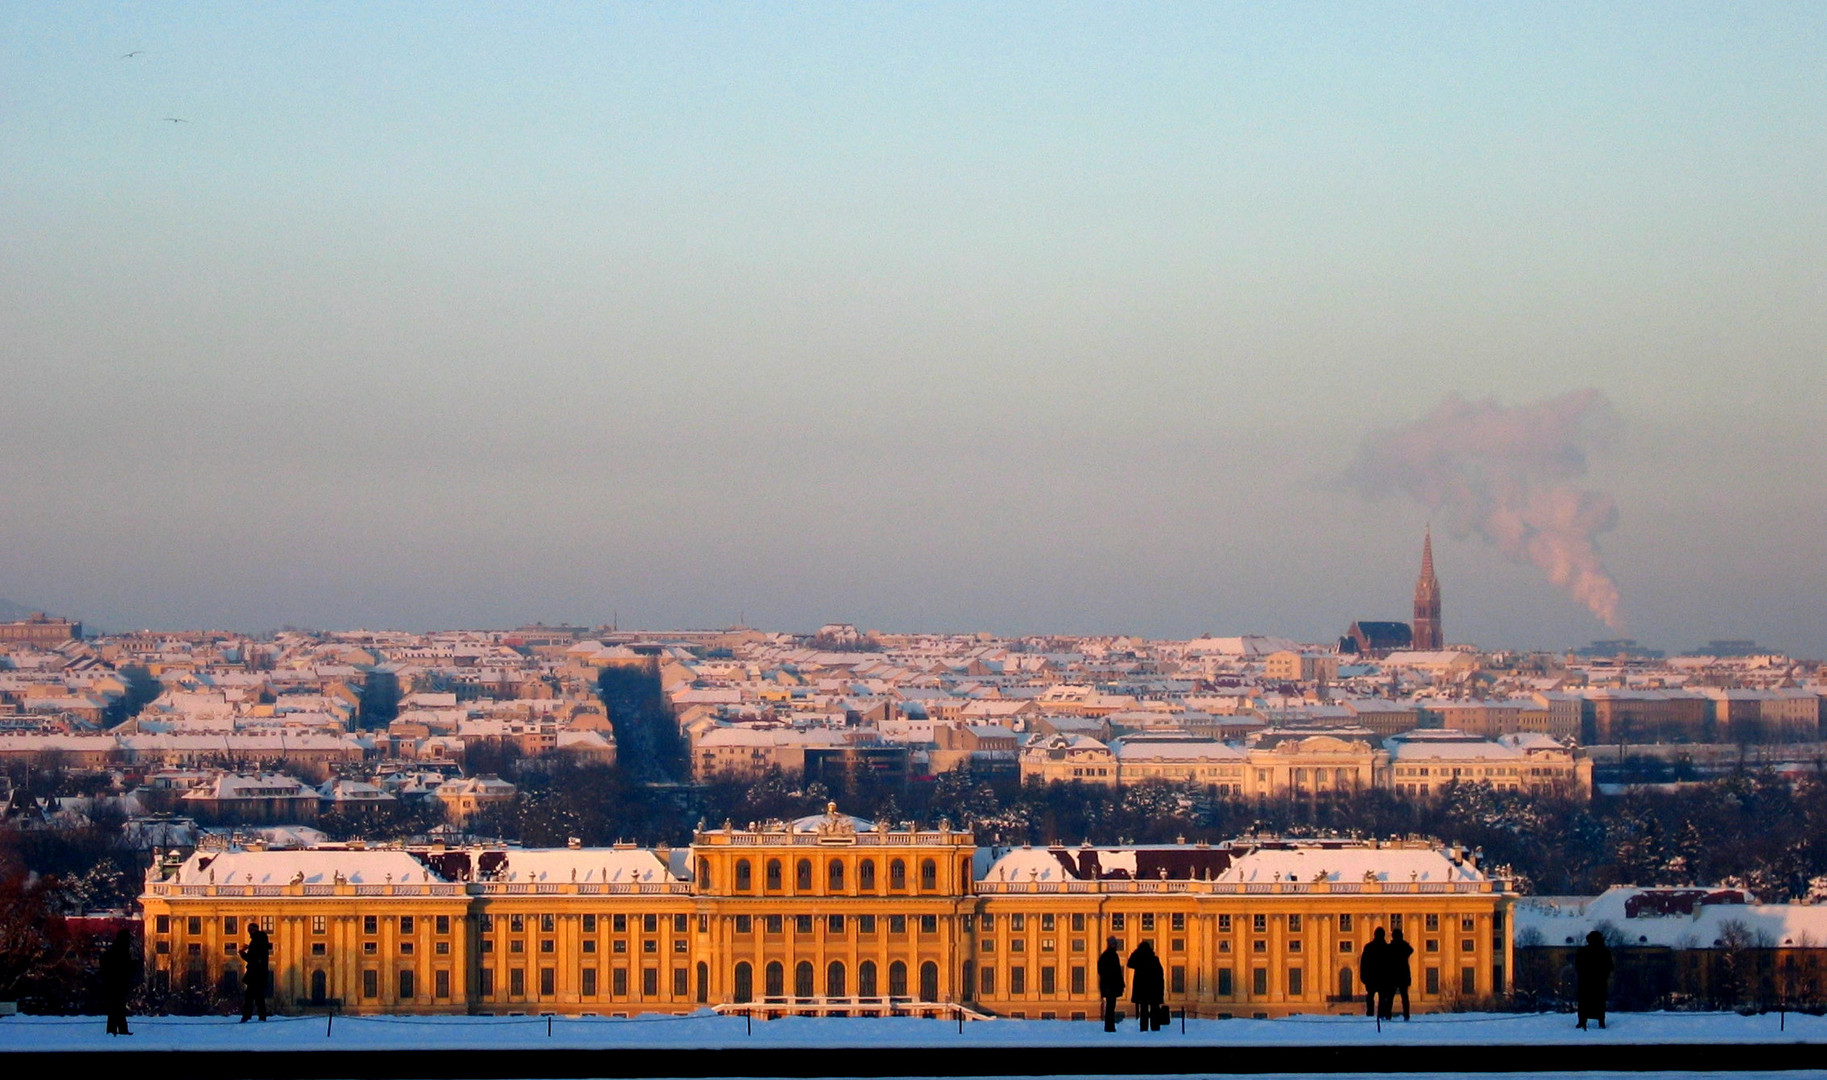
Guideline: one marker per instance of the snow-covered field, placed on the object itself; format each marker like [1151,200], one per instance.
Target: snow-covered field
[706,1031]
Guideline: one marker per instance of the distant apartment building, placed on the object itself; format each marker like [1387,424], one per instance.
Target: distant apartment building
[1290,665]
[39,629]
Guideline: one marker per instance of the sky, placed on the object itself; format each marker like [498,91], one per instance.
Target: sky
[1025,318]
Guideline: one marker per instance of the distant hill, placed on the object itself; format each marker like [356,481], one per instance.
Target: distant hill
[11,612]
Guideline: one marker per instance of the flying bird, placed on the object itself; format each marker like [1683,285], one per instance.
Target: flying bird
[133,54]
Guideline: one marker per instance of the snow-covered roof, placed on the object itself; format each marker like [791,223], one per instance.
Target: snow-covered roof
[317,866]
[585,865]
[1678,918]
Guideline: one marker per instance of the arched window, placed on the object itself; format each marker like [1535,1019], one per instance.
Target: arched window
[929,981]
[703,983]
[865,875]
[320,986]
[865,979]
[1345,982]
[897,876]
[834,979]
[834,876]
[773,875]
[897,979]
[802,979]
[929,876]
[802,876]
[745,983]
[777,980]
[704,874]
[745,877]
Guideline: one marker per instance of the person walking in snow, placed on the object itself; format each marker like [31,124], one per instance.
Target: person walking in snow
[1592,976]
[117,981]
[1148,989]
[1372,972]
[1110,983]
[256,972]
[1396,974]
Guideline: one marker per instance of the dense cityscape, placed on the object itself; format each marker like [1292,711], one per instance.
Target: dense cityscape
[593,820]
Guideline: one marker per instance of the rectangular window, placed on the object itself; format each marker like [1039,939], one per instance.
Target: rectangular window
[1345,924]
[517,982]
[1224,924]
[405,948]
[373,948]
[1395,922]
[650,982]
[318,924]
[680,987]
[1178,922]
[406,924]
[802,924]
[1294,945]
[194,924]
[442,948]
[1078,979]
[618,946]
[865,924]
[1347,946]
[704,924]
[230,925]
[1047,980]
[1046,922]
[1116,920]
[516,945]
[897,924]
[745,924]
[1468,981]
[649,945]
[618,982]
[548,981]
[1296,984]
[650,924]
[1259,981]
[619,923]
[1465,945]
[1078,921]
[485,982]
[929,924]
[1259,923]
[774,924]
[548,924]
[442,925]
[517,924]
[371,983]
[1224,982]
[986,980]
[680,923]
[834,924]
[1018,980]
[1018,922]
[1148,922]
[589,982]
[1432,945]
[317,948]
[589,924]
[440,983]
[162,924]
[266,923]
[1294,924]
[1432,981]
[548,945]
[989,921]
[680,945]
[1176,979]
[371,924]
[1432,923]
[408,989]
[485,923]
[1467,924]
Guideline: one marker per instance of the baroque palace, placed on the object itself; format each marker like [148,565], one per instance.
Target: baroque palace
[828,913]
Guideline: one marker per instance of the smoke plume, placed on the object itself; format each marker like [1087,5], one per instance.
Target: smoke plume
[1507,475]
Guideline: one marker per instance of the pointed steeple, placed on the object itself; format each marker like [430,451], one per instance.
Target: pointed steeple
[1427,631]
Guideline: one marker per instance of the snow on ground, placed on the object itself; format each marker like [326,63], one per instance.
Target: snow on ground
[705,1031]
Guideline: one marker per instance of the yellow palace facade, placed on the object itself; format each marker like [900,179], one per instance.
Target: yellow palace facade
[828,913]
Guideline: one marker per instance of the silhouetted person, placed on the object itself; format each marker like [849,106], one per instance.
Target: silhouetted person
[256,972]
[1395,973]
[1110,984]
[1373,968]
[117,981]
[1148,988]
[1592,974]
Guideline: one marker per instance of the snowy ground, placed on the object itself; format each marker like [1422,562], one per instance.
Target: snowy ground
[710,1031]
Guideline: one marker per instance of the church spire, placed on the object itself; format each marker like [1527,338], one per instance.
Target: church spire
[1427,631]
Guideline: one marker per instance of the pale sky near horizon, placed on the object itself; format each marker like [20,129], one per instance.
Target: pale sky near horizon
[1027,317]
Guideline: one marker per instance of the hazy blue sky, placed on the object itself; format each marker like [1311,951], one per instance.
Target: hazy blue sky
[1014,317]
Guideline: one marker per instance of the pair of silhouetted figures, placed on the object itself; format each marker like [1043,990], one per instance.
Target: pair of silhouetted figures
[1383,967]
[1592,975]
[1147,989]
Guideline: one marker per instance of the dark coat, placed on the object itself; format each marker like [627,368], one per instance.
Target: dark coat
[1373,965]
[1148,987]
[1395,963]
[117,969]
[1110,981]
[1592,971]
[256,955]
